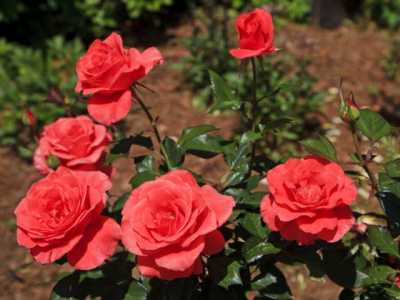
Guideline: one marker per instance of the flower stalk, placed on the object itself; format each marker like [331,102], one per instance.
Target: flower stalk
[153,125]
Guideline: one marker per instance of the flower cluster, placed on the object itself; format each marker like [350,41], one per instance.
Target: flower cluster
[174,223]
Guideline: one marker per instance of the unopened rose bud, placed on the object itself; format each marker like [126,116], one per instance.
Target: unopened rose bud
[349,112]
[28,118]
[52,161]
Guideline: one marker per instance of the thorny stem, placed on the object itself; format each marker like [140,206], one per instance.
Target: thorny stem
[363,163]
[154,125]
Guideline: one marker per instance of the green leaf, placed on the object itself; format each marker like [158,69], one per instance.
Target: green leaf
[275,124]
[321,147]
[119,204]
[224,271]
[372,125]
[140,178]
[288,87]
[263,282]
[203,145]
[221,90]
[195,131]
[274,290]
[145,164]
[252,223]
[66,288]
[234,105]
[249,137]
[378,275]
[136,291]
[175,152]
[393,292]
[393,168]
[233,276]
[122,147]
[255,247]
[237,159]
[382,239]
[235,178]
[389,199]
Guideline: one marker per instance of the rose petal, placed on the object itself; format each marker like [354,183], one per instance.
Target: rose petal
[97,244]
[178,259]
[214,242]
[110,108]
[221,205]
[148,267]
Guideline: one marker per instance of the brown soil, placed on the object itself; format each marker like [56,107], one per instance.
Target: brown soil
[347,52]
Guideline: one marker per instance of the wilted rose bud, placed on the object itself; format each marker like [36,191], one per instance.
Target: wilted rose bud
[349,112]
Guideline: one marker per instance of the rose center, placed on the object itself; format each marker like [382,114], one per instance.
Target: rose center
[309,193]
[170,215]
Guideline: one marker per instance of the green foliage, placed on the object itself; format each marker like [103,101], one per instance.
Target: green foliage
[137,7]
[284,10]
[30,76]
[391,63]
[384,13]
[284,89]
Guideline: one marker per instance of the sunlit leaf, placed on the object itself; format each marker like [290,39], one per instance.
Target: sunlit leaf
[192,132]
[136,291]
[321,147]
[393,168]
[372,125]
[382,239]
[221,90]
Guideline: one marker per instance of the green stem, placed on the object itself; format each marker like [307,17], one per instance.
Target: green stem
[154,125]
[252,146]
[363,164]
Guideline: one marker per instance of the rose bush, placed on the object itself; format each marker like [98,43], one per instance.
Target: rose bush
[309,200]
[192,242]
[108,70]
[256,34]
[60,215]
[77,143]
[170,221]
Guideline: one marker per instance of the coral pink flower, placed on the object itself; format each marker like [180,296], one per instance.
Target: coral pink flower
[107,70]
[60,215]
[170,221]
[256,34]
[309,200]
[77,143]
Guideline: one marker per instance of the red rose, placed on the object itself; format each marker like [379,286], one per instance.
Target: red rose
[107,70]
[170,221]
[78,143]
[309,200]
[60,215]
[256,34]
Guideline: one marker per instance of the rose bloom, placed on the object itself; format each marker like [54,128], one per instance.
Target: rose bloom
[256,34]
[309,200]
[60,215]
[169,222]
[77,143]
[107,70]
